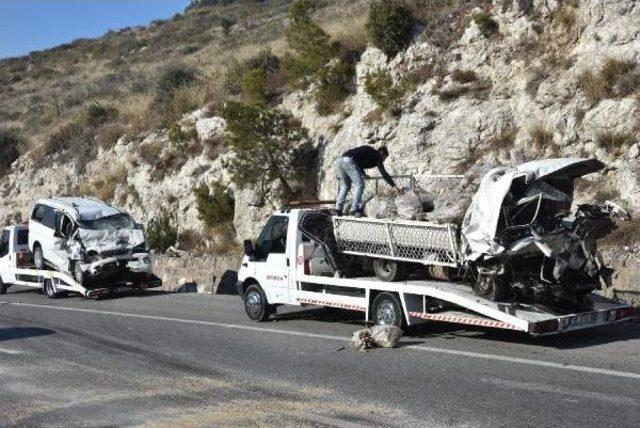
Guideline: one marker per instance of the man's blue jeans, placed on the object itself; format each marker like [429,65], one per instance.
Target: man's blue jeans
[349,173]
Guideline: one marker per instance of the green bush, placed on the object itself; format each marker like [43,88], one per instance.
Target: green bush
[98,114]
[389,26]
[174,77]
[253,86]
[162,232]
[311,45]
[215,205]
[265,61]
[10,143]
[485,22]
[334,84]
[384,91]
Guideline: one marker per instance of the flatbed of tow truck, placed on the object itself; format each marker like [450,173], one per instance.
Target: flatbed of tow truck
[276,271]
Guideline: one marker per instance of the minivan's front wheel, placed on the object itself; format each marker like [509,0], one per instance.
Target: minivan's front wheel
[255,303]
[38,257]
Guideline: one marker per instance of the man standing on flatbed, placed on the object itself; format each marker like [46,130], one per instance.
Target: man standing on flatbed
[351,168]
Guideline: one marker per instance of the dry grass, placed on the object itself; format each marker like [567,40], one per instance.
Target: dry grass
[464,76]
[615,143]
[541,137]
[109,134]
[104,188]
[626,235]
[504,141]
[617,78]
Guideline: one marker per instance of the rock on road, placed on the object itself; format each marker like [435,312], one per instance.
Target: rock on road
[192,360]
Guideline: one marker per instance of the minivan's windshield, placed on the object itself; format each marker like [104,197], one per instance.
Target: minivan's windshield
[113,222]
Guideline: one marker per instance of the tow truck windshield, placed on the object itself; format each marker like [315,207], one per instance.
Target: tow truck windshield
[113,222]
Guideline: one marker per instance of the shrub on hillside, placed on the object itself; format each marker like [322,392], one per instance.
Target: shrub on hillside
[616,79]
[311,45]
[383,90]
[174,77]
[98,114]
[485,22]
[615,143]
[390,26]
[253,86]
[161,231]
[334,84]
[265,61]
[215,205]
[268,147]
[10,143]
[541,137]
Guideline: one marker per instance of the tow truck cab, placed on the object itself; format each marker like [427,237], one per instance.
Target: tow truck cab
[14,251]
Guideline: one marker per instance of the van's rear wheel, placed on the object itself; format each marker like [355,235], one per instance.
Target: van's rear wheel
[3,287]
[389,270]
[387,310]
[255,303]
[491,287]
[38,257]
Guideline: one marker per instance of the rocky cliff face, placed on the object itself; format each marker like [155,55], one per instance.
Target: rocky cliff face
[514,91]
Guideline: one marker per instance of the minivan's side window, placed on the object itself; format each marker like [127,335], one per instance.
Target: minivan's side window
[273,239]
[38,213]
[49,219]
[4,243]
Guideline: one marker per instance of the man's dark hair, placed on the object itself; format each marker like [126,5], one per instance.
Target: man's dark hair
[383,151]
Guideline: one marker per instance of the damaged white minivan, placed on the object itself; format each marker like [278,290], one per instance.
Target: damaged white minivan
[89,239]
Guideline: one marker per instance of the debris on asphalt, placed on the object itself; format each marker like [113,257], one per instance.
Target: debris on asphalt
[379,336]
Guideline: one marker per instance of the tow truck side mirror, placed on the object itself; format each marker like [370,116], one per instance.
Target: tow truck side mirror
[249,250]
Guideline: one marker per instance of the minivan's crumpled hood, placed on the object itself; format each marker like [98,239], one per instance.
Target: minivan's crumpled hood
[100,240]
[481,219]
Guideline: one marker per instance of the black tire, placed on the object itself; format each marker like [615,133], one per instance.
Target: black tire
[3,287]
[48,289]
[389,270]
[387,310]
[38,257]
[78,274]
[255,303]
[492,288]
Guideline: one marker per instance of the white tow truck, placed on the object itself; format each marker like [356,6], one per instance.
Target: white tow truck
[16,268]
[290,264]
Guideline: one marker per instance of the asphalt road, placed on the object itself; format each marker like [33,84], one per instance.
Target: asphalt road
[192,360]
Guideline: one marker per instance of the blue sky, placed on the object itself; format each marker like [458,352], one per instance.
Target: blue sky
[29,25]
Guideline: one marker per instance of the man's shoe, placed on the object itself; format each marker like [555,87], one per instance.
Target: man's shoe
[334,212]
[356,213]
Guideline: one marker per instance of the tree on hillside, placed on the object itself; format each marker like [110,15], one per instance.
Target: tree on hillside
[389,26]
[311,45]
[269,147]
[10,143]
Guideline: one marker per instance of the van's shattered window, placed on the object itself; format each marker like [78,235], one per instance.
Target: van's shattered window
[113,222]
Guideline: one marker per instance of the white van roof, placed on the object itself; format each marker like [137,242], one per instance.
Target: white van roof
[83,208]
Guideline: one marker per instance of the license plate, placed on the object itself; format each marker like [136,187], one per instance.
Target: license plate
[579,321]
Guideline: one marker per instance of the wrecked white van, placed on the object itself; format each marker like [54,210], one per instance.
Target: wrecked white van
[88,238]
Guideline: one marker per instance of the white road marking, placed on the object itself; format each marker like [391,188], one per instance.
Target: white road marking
[617,400]
[9,351]
[493,357]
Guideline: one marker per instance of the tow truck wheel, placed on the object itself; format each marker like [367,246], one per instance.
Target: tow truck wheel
[49,290]
[3,287]
[389,270]
[387,310]
[38,257]
[255,303]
